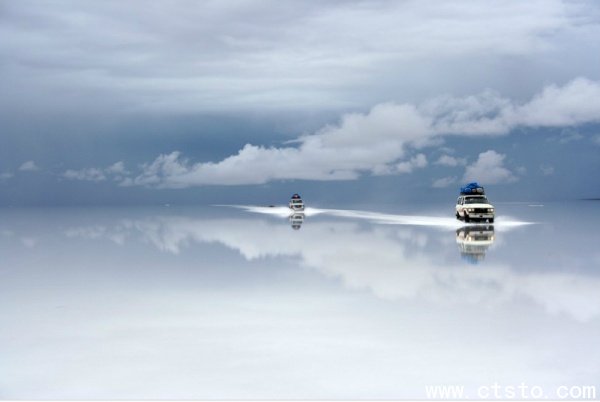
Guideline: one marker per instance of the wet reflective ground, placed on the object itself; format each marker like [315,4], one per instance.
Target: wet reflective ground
[252,302]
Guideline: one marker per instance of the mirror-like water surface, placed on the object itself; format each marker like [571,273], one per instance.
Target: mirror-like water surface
[255,302]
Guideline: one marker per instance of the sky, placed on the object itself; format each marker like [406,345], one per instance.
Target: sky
[110,103]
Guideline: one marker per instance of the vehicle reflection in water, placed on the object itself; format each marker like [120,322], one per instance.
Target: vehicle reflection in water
[474,241]
[296,220]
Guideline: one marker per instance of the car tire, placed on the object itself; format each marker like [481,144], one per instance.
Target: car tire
[467,218]
[457,216]
[491,220]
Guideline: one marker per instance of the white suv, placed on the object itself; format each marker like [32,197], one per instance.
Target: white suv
[474,207]
[296,203]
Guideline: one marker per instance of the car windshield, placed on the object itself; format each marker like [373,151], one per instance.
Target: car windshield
[476,200]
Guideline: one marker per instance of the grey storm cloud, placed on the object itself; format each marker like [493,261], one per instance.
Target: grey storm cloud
[187,56]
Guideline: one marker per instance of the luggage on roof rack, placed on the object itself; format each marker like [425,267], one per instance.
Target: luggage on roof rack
[472,189]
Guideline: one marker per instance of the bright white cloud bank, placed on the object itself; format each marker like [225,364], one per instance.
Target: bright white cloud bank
[387,140]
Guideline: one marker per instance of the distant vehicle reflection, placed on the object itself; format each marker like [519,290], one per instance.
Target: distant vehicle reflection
[296,220]
[474,241]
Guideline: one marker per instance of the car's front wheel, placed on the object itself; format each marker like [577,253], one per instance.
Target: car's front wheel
[491,220]
[467,219]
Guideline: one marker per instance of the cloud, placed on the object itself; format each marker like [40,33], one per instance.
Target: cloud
[418,161]
[382,141]
[117,168]
[596,139]
[6,175]
[489,168]
[90,174]
[29,166]
[569,105]
[117,171]
[187,56]
[376,142]
[567,136]
[572,104]
[547,170]
[447,160]
[444,182]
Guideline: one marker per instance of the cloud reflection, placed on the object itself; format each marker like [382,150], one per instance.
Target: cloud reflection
[391,262]
[215,303]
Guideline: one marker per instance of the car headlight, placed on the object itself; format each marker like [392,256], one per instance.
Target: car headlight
[491,210]
[470,210]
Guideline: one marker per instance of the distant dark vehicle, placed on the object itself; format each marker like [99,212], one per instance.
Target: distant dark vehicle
[296,203]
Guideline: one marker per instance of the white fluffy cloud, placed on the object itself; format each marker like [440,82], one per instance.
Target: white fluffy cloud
[447,160]
[29,166]
[385,140]
[569,105]
[116,170]
[90,174]
[375,142]
[575,103]
[6,175]
[418,161]
[489,168]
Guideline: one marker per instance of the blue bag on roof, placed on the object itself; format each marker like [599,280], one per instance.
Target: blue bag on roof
[472,189]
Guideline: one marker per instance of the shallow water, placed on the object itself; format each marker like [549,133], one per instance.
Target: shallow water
[250,302]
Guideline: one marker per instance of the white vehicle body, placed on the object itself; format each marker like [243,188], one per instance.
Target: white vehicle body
[474,208]
[296,204]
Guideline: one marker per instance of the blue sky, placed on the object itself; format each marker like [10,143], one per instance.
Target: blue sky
[247,101]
